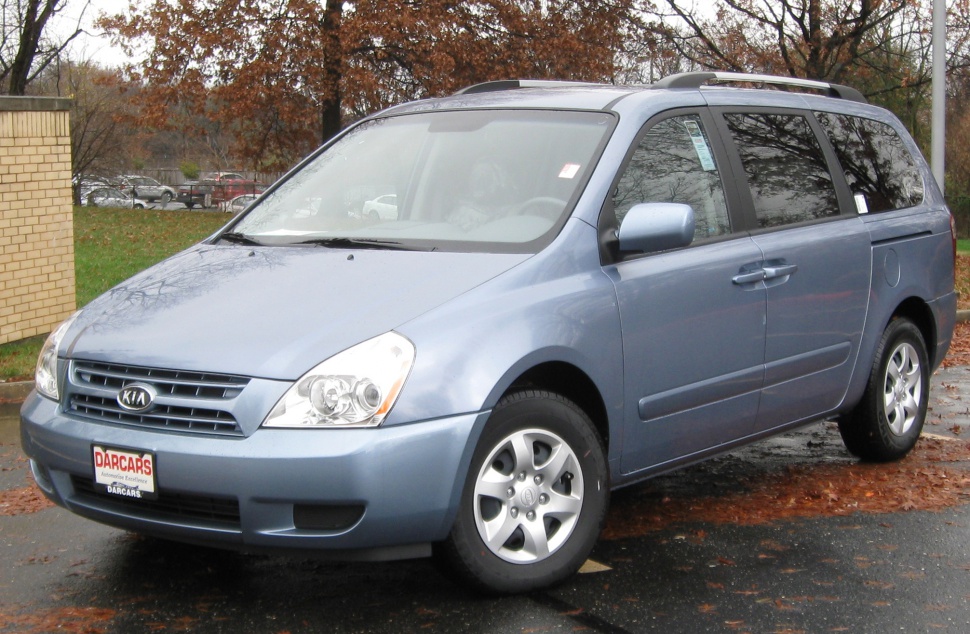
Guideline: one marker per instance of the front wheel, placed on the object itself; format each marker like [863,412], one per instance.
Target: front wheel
[535,497]
[886,424]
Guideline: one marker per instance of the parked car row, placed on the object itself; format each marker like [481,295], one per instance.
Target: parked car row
[128,191]
[227,190]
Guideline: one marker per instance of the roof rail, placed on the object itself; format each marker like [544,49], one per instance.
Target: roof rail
[698,79]
[512,84]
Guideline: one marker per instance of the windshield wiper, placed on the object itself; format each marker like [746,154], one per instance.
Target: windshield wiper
[357,243]
[240,238]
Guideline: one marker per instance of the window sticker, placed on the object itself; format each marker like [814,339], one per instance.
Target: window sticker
[860,204]
[701,147]
[569,170]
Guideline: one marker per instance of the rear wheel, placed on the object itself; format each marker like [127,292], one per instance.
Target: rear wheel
[886,424]
[535,497]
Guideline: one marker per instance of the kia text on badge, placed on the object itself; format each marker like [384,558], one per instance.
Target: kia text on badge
[137,397]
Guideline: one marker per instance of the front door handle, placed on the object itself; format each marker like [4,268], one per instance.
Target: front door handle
[749,278]
[781,270]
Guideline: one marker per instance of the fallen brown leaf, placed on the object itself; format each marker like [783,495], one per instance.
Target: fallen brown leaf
[22,501]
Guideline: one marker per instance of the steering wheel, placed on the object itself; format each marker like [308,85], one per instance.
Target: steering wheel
[543,206]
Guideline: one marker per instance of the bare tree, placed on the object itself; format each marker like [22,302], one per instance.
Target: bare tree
[882,47]
[26,50]
[819,39]
[102,114]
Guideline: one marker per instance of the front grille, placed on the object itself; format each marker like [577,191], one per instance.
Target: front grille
[176,506]
[171,382]
[191,419]
[187,401]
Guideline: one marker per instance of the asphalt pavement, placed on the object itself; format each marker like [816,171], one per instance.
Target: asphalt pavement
[725,561]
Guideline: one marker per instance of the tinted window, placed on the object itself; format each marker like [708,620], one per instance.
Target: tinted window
[876,162]
[785,168]
[674,163]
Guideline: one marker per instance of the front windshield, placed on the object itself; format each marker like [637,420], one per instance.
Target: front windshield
[453,180]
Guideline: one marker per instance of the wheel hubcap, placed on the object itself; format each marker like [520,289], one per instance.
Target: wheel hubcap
[903,389]
[528,496]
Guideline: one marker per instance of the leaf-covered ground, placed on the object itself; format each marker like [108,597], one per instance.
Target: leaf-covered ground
[959,353]
[963,281]
[934,476]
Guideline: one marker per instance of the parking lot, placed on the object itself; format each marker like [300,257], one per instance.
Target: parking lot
[789,535]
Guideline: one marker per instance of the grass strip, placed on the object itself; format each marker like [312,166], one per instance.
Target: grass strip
[111,245]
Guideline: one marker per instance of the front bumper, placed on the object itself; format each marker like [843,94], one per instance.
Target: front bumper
[396,488]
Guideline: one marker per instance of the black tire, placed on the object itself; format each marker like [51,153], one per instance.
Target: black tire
[166,198]
[887,422]
[189,205]
[549,504]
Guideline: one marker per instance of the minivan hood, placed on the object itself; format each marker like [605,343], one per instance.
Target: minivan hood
[270,312]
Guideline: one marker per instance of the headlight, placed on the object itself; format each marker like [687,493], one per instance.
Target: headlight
[355,388]
[45,375]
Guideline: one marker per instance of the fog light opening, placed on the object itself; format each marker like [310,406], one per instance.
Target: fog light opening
[326,517]
[41,476]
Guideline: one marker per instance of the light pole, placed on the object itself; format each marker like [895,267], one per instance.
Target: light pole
[938,124]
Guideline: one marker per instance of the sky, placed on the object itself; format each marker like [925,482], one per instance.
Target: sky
[91,45]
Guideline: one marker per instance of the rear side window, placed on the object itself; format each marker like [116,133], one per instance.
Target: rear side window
[674,162]
[880,170]
[785,168]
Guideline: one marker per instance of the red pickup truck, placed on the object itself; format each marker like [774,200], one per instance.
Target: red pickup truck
[215,188]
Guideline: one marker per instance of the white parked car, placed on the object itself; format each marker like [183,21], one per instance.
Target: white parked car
[381,208]
[110,197]
[239,203]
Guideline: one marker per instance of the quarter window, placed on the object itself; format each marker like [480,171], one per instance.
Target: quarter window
[879,169]
[785,168]
[674,163]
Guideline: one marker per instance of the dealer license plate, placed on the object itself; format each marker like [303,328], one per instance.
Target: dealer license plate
[125,472]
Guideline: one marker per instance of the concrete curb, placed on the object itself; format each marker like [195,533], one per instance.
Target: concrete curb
[15,392]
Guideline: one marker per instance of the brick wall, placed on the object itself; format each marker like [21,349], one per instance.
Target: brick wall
[36,217]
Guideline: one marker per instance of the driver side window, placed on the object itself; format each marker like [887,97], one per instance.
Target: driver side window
[674,163]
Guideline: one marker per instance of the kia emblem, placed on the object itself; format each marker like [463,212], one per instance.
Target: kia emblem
[137,397]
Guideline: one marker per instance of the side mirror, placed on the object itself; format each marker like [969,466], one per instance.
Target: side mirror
[652,227]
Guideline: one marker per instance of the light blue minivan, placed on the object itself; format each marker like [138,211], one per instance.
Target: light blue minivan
[578,287]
